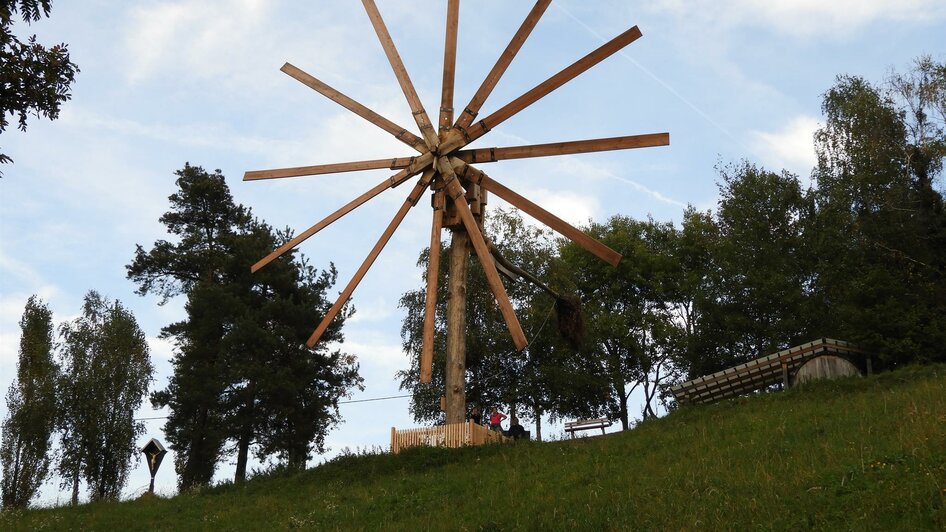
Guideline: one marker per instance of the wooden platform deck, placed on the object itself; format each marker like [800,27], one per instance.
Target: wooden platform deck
[454,435]
[761,372]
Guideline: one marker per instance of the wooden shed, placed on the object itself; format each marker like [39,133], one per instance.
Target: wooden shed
[819,359]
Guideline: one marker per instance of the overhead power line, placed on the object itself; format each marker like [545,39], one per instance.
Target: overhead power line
[340,402]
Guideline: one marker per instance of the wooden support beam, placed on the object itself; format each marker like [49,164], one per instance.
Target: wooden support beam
[393,163]
[390,182]
[449,66]
[417,108]
[453,402]
[488,155]
[463,136]
[322,88]
[430,305]
[561,226]
[411,200]
[482,252]
[489,83]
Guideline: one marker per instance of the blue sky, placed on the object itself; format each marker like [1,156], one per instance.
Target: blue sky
[169,82]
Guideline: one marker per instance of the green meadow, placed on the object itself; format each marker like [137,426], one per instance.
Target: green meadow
[855,454]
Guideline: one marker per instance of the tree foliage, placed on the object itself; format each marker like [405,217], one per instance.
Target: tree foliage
[628,308]
[881,225]
[106,370]
[31,409]
[203,218]
[243,376]
[546,378]
[282,396]
[34,80]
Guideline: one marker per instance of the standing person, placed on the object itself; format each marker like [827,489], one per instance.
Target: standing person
[496,419]
[475,416]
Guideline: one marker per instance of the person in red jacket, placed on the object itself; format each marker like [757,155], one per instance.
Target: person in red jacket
[495,419]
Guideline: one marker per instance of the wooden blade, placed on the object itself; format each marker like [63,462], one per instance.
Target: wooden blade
[390,182]
[488,155]
[449,66]
[411,200]
[473,108]
[322,88]
[320,169]
[420,115]
[430,305]
[539,91]
[482,252]
[561,226]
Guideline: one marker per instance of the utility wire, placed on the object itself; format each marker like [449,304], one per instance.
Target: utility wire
[374,399]
[340,402]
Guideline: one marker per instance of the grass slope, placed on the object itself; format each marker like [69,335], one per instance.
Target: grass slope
[865,454]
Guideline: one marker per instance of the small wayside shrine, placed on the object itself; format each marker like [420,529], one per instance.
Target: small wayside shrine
[459,195]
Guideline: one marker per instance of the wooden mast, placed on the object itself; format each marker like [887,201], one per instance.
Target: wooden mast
[455,370]
[455,375]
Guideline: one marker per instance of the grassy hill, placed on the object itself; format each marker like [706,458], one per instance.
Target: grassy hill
[854,454]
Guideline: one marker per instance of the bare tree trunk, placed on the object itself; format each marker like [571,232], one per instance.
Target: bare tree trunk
[651,392]
[648,395]
[538,424]
[243,445]
[15,494]
[243,453]
[455,377]
[623,407]
[75,487]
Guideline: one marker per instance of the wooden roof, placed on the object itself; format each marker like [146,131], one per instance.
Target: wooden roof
[759,373]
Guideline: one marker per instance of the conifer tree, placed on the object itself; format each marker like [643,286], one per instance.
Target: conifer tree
[242,375]
[203,218]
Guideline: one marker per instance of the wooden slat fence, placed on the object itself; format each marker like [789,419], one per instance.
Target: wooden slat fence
[761,372]
[454,435]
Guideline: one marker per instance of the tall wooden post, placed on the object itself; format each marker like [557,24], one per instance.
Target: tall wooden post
[455,392]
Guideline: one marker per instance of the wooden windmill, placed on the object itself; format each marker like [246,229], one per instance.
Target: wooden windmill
[459,189]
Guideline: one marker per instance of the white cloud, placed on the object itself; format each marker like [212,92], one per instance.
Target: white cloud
[802,18]
[579,171]
[377,309]
[240,43]
[14,269]
[374,354]
[572,207]
[193,34]
[791,147]
[161,348]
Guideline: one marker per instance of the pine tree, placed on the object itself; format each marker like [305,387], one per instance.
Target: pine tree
[204,219]
[242,374]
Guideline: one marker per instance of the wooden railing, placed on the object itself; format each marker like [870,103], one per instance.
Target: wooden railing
[455,435]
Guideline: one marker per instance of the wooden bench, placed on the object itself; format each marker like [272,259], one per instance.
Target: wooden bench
[585,424]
